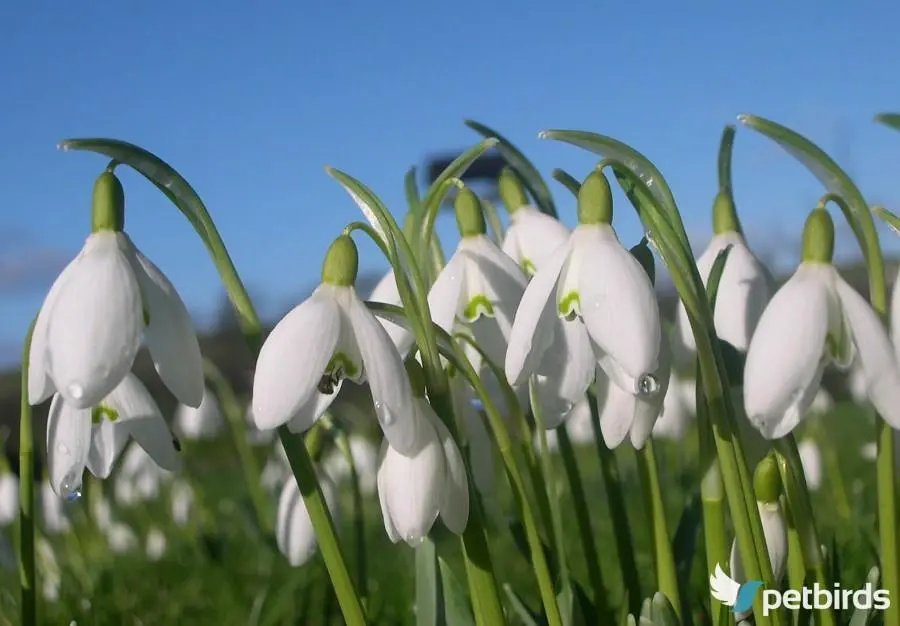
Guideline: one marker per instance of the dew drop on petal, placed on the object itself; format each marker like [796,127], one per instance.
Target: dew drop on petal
[76,391]
[385,416]
[62,448]
[414,541]
[647,385]
[70,489]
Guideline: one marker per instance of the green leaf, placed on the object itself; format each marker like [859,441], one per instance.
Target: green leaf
[610,148]
[428,585]
[863,617]
[684,543]
[413,201]
[457,610]
[526,170]
[715,276]
[889,119]
[519,607]
[567,180]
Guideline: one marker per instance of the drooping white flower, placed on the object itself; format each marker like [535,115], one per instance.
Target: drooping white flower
[815,319]
[327,338]
[479,288]
[532,236]
[744,288]
[414,489]
[93,438]
[294,532]
[596,297]
[9,497]
[203,422]
[811,458]
[90,325]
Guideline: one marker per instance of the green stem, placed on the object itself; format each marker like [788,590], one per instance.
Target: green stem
[664,559]
[322,522]
[618,512]
[796,566]
[582,517]
[27,574]
[713,497]
[359,525]
[234,415]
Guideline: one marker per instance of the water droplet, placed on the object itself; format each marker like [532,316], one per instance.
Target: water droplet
[62,448]
[647,385]
[70,488]
[385,416]
[414,541]
[76,391]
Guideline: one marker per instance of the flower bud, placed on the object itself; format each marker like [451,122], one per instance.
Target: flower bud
[595,200]
[511,190]
[469,216]
[767,480]
[725,218]
[818,237]
[108,204]
[341,263]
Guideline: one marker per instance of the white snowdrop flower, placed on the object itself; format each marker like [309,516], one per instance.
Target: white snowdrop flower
[155,544]
[676,416]
[182,497]
[329,337]
[811,458]
[386,292]
[203,422]
[9,496]
[90,325]
[414,489]
[815,319]
[294,531]
[856,385]
[579,424]
[93,438]
[744,289]
[479,288]
[590,303]
[53,510]
[120,538]
[365,459]
[532,236]
[869,451]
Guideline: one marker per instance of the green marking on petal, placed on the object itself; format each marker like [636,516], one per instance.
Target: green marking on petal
[146,313]
[343,365]
[101,411]
[569,305]
[840,347]
[478,306]
[528,267]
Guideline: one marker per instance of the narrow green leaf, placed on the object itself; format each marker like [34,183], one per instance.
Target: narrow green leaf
[567,180]
[457,610]
[635,161]
[519,607]
[411,187]
[428,585]
[495,226]
[684,543]
[889,119]
[726,148]
[863,617]
[526,170]
[715,276]
[565,599]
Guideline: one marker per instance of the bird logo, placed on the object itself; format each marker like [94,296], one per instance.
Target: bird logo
[731,593]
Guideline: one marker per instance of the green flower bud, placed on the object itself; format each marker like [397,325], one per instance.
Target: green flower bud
[595,205]
[511,190]
[818,237]
[416,378]
[108,204]
[469,216]
[725,218]
[641,251]
[767,480]
[341,263]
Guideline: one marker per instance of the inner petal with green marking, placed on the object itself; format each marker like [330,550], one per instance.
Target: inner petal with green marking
[101,411]
[528,267]
[570,305]
[478,305]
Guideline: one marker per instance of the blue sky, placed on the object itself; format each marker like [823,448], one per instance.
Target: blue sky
[250,100]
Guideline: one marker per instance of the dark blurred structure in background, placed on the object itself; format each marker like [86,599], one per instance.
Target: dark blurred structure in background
[481,175]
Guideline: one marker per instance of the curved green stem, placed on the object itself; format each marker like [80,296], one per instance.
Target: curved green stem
[359,524]
[234,416]
[27,573]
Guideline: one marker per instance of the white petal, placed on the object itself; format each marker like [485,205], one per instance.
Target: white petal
[532,237]
[381,481]
[618,304]
[743,296]
[455,505]
[565,372]
[170,336]
[533,329]
[785,358]
[446,293]
[40,385]
[895,315]
[108,439]
[68,443]
[9,499]
[387,378]
[294,531]
[775,533]
[413,487]
[675,419]
[94,327]
[812,463]
[143,420]
[293,358]
[386,292]
[202,422]
[876,357]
